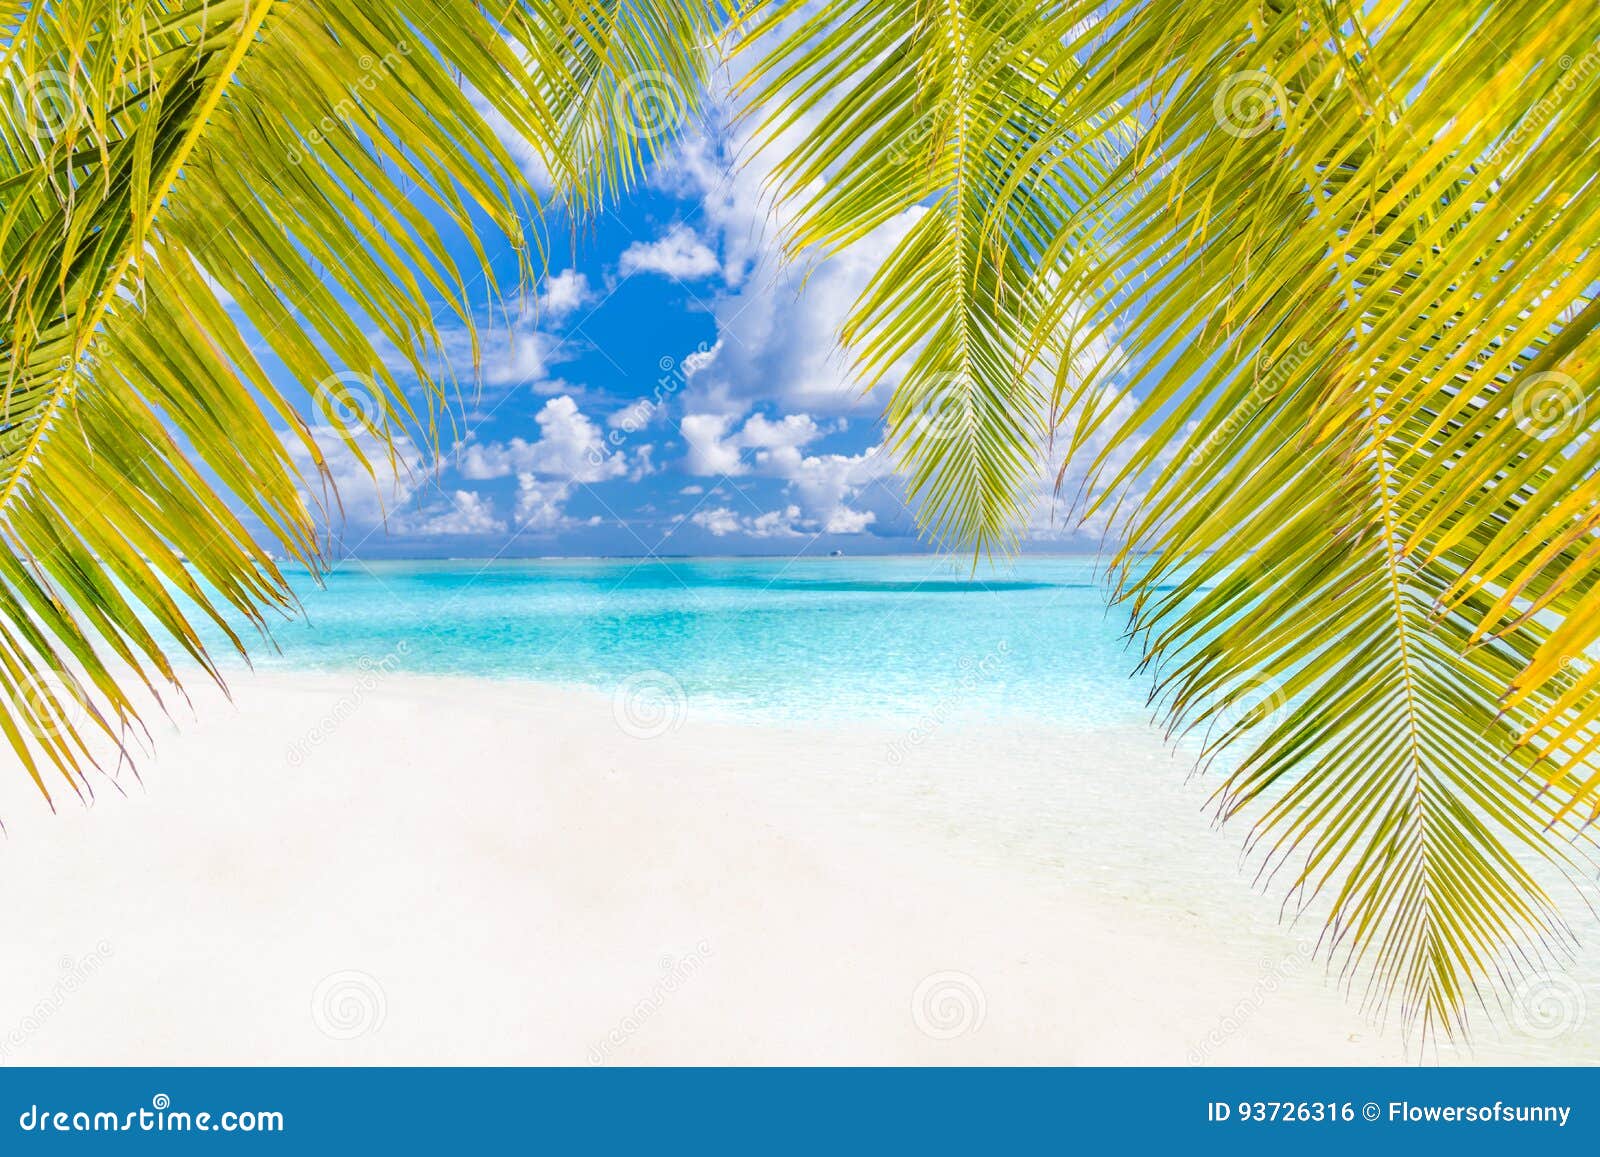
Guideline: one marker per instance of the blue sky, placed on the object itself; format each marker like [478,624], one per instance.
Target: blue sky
[678,390]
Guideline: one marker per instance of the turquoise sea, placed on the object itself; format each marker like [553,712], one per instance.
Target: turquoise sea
[813,638]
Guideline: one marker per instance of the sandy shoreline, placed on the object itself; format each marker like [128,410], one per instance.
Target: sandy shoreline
[428,870]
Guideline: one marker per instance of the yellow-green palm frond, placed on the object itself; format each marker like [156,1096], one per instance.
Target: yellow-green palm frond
[946,111]
[159,159]
[629,78]
[1326,289]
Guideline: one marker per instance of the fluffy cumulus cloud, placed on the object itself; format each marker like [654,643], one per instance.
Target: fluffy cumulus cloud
[828,486]
[570,451]
[541,502]
[720,521]
[570,447]
[679,253]
[518,354]
[563,293]
[714,447]
[464,512]
[778,325]
[393,497]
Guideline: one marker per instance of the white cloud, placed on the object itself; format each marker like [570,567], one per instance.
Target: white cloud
[680,253]
[777,343]
[467,512]
[832,486]
[845,521]
[776,523]
[788,433]
[540,502]
[570,447]
[708,452]
[825,484]
[720,522]
[565,292]
[714,450]
[518,355]
[698,360]
[360,496]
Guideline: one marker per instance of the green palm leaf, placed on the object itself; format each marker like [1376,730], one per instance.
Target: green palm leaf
[156,156]
[944,110]
[1298,261]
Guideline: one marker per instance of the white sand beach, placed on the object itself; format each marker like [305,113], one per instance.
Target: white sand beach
[411,870]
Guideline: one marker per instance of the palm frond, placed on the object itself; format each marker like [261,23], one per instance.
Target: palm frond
[942,110]
[1327,295]
[629,78]
[168,154]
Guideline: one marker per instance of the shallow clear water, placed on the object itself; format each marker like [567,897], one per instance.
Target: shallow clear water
[769,638]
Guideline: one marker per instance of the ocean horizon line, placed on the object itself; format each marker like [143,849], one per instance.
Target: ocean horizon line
[655,557]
